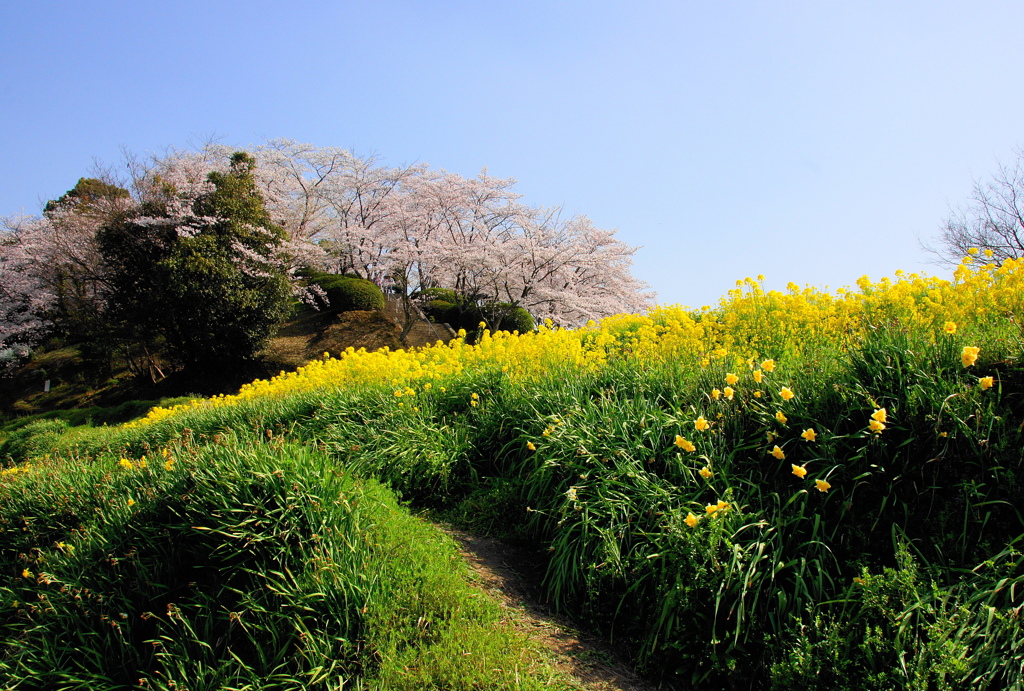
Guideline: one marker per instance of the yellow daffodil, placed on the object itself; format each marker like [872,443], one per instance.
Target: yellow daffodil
[685,444]
[731,378]
[969,355]
[691,520]
[757,394]
[25,573]
[711,508]
[705,472]
[880,414]
[809,434]
[876,426]
[778,453]
[701,424]
[716,394]
[799,471]
[822,485]
[475,396]
[986,383]
[768,365]
[722,505]
[169,464]
[131,502]
[949,327]
[530,446]
[758,376]
[781,417]
[728,392]
[571,494]
[786,393]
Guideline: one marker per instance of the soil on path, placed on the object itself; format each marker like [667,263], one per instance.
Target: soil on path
[513,575]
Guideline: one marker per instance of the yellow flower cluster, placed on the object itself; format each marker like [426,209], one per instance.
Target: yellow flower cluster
[747,325]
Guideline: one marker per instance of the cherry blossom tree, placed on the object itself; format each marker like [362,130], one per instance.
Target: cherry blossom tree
[405,228]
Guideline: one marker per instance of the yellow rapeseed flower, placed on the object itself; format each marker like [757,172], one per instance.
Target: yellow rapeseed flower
[786,393]
[706,473]
[685,444]
[969,355]
[731,378]
[701,424]
[986,383]
[949,327]
[822,485]
[768,365]
[691,520]
[799,471]
[809,434]
[781,417]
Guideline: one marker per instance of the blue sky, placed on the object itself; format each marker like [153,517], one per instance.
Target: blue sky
[810,141]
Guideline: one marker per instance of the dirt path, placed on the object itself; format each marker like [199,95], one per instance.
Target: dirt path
[513,576]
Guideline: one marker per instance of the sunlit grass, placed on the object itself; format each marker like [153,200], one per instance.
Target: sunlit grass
[805,489]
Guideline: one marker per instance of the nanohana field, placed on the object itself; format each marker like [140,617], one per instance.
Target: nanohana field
[795,489]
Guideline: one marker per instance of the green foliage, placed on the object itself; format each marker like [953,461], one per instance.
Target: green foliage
[85,195]
[32,440]
[903,571]
[448,307]
[228,566]
[211,297]
[347,294]
[516,319]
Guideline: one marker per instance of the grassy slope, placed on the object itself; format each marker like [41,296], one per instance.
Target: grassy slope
[719,565]
[229,565]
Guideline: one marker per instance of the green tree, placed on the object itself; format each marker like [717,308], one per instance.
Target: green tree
[202,283]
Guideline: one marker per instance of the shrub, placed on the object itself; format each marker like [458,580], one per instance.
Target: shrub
[33,439]
[517,319]
[346,294]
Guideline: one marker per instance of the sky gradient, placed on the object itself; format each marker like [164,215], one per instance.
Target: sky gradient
[809,141]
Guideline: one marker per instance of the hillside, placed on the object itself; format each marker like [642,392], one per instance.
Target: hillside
[792,490]
[75,385]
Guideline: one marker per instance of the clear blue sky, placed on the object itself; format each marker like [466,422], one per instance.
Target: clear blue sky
[812,141]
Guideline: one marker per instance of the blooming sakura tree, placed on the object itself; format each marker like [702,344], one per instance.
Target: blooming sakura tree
[405,228]
[23,295]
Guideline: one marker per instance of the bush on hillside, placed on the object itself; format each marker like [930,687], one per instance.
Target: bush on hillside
[347,294]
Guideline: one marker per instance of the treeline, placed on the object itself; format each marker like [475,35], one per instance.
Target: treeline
[192,259]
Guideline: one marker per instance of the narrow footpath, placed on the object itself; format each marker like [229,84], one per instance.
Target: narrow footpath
[513,577]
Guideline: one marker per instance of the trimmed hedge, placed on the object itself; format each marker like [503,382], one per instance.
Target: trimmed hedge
[347,294]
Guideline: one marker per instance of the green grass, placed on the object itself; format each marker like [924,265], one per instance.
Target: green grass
[239,566]
[906,573]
